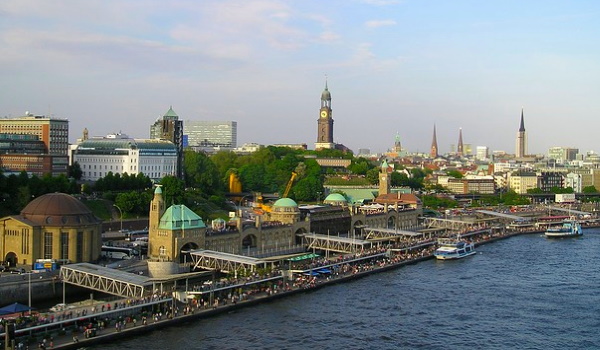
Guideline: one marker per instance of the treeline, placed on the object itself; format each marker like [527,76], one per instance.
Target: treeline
[17,191]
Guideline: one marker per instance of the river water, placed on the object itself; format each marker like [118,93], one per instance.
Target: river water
[525,292]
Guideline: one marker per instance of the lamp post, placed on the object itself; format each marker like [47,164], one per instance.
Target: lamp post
[29,275]
[121,213]
[240,205]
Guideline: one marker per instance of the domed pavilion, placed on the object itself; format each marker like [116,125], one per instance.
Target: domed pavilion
[53,226]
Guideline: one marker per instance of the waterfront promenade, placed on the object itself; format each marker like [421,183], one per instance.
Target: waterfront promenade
[91,325]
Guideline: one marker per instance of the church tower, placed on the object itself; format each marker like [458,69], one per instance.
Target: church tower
[325,122]
[521,149]
[397,144]
[460,147]
[384,178]
[434,147]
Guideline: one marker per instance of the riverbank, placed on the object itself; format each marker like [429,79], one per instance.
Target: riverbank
[110,334]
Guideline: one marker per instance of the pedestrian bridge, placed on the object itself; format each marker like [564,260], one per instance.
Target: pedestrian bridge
[107,280]
[385,233]
[334,243]
[570,211]
[226,262]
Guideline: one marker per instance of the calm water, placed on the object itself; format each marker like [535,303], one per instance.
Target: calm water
[525,292]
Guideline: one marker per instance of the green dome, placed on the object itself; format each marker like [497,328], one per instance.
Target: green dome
[285,202]
[336,197]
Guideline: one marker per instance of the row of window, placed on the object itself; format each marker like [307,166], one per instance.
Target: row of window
[64,246]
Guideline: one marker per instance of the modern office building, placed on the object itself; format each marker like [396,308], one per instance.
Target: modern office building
[37,145]
[170,128]
[119,154]
[210,135]
[562,155]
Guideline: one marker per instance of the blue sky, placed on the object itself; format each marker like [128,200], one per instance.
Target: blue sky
[392,67]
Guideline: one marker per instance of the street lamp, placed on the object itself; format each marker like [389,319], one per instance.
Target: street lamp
[29,274]
[120,212]
[240,205]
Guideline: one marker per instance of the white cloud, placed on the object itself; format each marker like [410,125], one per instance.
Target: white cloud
[380,23]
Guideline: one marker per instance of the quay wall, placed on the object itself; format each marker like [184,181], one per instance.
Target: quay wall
[126,333]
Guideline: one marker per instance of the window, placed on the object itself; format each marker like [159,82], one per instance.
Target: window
[64,245]
[47,245]
[79,253]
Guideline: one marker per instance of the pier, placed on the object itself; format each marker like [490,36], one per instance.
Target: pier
[92,325]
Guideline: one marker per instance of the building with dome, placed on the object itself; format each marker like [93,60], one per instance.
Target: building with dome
[53,226]
[175,230]
[337,199]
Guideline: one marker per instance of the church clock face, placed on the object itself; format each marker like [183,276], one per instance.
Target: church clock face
[323,114]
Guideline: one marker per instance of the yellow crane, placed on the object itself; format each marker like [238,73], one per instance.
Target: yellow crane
[289,185]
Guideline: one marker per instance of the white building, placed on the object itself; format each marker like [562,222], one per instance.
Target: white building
[575,181]
[482,153]
[119,154]
[207,134]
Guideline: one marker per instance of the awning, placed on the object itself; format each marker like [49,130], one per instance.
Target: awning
[304,257]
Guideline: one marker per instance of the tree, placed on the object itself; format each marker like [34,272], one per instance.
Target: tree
[589,189]
[74,171]
[373,176]
[173,190]
[225,160]
[455,174]
[200,172]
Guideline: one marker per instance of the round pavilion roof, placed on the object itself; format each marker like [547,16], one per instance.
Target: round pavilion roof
[285,202]
[58,209]
[336,197]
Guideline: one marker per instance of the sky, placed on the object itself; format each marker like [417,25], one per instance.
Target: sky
[393,67]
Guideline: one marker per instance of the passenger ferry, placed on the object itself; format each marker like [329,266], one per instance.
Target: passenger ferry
[453,249]
[569,228]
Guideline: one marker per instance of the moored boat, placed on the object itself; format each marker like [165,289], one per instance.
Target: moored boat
[453,249]
[569,228]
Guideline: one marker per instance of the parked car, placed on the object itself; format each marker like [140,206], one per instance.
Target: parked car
[18,270]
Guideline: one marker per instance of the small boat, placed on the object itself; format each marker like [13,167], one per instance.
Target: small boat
[569,228]
[453,249]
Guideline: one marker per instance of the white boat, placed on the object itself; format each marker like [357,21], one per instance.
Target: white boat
[453,249]
[569,228]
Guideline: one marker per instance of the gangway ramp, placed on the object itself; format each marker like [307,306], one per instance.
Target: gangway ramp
[334,243]
[388,233]
[107,280]
[226,262]
[570,211]
[504,215]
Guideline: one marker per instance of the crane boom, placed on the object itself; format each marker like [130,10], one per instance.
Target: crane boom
[289,185]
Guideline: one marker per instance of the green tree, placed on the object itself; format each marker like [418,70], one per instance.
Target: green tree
[224,161]
[173,190]
[589,189]
[200,172]
[74,171]
[455,174]
[373,176]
